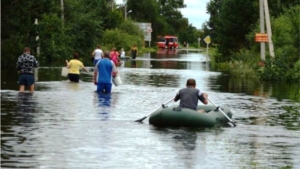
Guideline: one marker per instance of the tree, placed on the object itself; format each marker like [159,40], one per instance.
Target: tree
[229,27]
[17,26]
[124,37]
[170,10]
[164,15]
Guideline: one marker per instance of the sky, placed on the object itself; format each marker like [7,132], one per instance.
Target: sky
[195,11]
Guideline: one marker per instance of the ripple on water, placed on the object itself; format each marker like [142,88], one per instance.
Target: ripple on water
[65,125]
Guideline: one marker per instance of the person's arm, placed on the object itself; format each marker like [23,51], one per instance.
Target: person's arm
[95,78]
[67,64]
[115,71]
[93,54]
[177,97]
[83,68]
[95,74]
[118,57]
[36,63]
[110,55]
[102,55]
[203,98]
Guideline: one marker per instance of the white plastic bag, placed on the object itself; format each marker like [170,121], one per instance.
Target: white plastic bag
[64,72]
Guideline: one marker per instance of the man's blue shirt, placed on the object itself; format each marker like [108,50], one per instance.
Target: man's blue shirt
[105,68]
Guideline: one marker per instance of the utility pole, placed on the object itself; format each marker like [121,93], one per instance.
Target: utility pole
[262,29]
[125,12]
[269,30]
[36,22]
[62,12]
[264,15]
[125,8]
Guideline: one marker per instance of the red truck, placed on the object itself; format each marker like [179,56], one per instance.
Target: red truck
[170,42]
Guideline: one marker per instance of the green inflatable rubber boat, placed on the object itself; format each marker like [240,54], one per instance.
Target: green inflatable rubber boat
[175,116]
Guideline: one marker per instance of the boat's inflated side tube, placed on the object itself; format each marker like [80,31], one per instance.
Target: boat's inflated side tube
[174,116]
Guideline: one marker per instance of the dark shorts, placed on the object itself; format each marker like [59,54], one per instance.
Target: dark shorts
[96,61]
[133,56]
[26,79]
[104,87]
[73,77]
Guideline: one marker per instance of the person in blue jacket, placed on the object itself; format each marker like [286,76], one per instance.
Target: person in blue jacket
[104,71]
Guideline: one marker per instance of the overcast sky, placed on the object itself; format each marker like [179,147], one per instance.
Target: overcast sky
[195,11]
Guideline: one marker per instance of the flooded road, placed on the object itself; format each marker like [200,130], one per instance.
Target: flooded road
[67,126]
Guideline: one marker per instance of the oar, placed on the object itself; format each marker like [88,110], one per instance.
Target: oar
[219,108]
[162,106]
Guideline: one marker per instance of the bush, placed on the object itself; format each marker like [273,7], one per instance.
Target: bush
[279,69]
[241,69]
[294,74]
[127,35]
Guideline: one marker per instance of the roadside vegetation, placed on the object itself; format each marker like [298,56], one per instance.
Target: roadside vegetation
[81,25]
[235,49]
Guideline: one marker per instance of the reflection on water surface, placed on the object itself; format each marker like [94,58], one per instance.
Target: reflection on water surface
[65,125]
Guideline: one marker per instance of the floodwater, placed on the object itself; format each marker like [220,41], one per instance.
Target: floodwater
[67,126]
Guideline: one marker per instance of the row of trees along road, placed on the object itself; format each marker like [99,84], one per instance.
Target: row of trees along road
[81,25]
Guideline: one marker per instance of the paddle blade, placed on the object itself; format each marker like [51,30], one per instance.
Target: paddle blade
[140,120]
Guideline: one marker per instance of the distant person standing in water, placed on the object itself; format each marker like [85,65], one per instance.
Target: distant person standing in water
[122,53]
[97,54]
[74,67]
[26,64]
[114,56]
[134,52]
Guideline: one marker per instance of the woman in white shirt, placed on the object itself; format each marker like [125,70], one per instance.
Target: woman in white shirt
[122,55]
[97,54]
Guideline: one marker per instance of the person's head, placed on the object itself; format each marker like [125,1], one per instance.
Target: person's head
[114,49]
[106,54]
[98,46]
[122,49]
[26,50]
[76,55]
[191,82]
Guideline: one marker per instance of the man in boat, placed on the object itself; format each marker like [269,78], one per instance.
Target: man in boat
[189,96]
[104,71]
